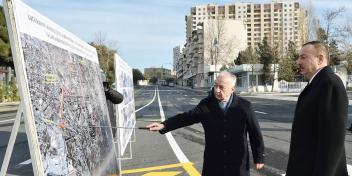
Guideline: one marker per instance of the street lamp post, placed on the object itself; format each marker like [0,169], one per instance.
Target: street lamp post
[216,46]
[214,56]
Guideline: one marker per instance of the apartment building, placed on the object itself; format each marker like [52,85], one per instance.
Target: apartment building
[178,63]
[214,44]
[281,20]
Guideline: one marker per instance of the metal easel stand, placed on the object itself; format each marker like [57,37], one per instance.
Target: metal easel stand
[12,140]
[120,157]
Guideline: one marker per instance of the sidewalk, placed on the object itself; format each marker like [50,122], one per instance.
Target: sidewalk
[200,90]
[273,95]
[289,96]
[8,107]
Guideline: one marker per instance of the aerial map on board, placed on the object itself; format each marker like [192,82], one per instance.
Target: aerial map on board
[68,103]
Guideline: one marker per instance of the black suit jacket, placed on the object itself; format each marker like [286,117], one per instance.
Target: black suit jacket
[226,147]
[318,129]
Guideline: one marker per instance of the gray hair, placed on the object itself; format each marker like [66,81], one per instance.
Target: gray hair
[229,74]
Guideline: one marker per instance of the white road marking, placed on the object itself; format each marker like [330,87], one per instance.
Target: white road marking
[24,163]
[177,150]
[9,120]
[149,115]
[167,90]
[259,112]
[149,102]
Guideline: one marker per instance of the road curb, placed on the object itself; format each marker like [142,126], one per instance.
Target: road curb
[9,103]
[195,90]
[8,110]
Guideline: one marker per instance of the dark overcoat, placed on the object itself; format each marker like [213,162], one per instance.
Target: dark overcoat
[318,129]
[226,147]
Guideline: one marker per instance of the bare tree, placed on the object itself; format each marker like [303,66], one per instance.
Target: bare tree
[100,38]
[333,33]
[312,22]
[331,29]
[346,35]
[219,43]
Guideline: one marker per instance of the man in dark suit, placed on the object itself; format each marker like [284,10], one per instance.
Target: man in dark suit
[318,129]
[227,120]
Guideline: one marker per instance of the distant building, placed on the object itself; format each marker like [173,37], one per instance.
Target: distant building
[178,63]
[160,73]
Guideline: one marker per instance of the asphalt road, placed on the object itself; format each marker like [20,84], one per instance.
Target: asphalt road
[151,153]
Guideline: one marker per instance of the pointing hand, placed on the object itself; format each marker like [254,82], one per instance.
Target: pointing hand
[155,126]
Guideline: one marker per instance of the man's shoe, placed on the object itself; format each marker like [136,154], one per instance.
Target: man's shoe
[349,129]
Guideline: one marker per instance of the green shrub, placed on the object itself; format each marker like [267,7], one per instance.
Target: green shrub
[9,93]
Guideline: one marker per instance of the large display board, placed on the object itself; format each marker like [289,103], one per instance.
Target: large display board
[126,110]
[61,88]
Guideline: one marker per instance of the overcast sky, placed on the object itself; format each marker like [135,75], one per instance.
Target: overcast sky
[144,31]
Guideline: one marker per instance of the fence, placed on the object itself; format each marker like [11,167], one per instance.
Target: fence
[291,86]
